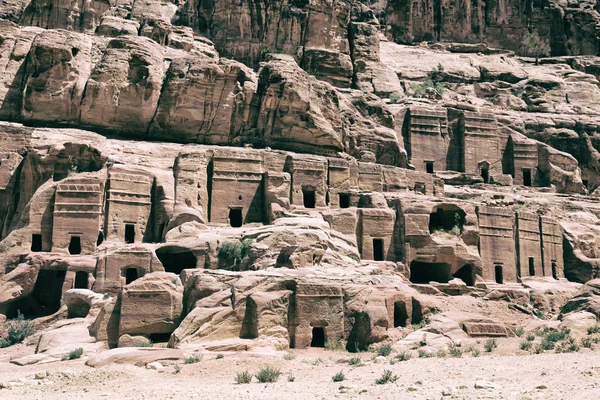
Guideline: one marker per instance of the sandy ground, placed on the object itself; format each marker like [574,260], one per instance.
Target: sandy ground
[543,376]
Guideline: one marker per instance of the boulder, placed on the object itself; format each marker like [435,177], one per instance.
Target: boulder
[134,356]
[80,301]
[587,299]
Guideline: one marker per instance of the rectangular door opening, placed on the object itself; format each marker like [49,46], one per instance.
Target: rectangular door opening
[235,217]
[531,266]
[318,337]
[75,245]
[344,200]
[81,280]
[499,274]
[400,314]
[485,174]
[378,253]
[429,167]
[129,233]
[131,274]
[309,198]
[36,242]
[526,177]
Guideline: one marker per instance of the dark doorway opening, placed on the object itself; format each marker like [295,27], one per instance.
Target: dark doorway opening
[160,337]
[465,274]
[309,198]
[36,242]
[485,174]
[417,312]
[585,183]
[344,200]
[378,252]
[424,272]
[554,273]
[129,233]
[48,291]
[100,238]
[400,314]
[249,324]
[526,177]
[75,245]
[429,167]
[499,274]
[176,259]
[235,217]
[131,274]
[531,266]
[81,280]
[451,220]
[318,337]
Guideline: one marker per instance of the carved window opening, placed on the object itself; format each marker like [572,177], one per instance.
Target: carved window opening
[36,242]
[81,280]
[531,266]
[378,253]
[309,198]
[429,167]
[129,233]
[318,337]
[235,217]
[400,314]
[526,177]
[344,200]
[554,272]
[131,274]
[75,245]
[499,274]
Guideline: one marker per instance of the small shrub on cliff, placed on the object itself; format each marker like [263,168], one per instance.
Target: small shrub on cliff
[534,46]
[356,361]
[395,97]
[456,351]
[586,342]
[490,345]
[243,377]
[404,356]
[432,87]
[268,374]
[232,253]
[339,377]
[384,350]
[73,355]
[17,330]
[593,329]
[518,331]
[526,345]
[194,359]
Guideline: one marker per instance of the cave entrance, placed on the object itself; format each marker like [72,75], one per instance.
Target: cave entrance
[344,200]
[235,217]
[176,259]
[318,337]
[129,233]
[450,220]
[425,272]
[131,274]
[400,314]
[249,324]
[160,337]
[75,245]
[309,198]
[100,239]
[36,242]
[526,177]
[378,252]
[81,280]
[554,273]
[48,291]
[531,266]
[465,274]
[499,274]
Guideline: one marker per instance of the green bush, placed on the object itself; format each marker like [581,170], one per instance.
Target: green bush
[530,337]
[384,350]
[456,351]
[431,87]
[386,377]
[395,97]
[404,356]
[268,374]
[232,253]
[193,359]
[490,345]
[17,330]
[518,331]
[243,377]
[586,342]
[526,345]
[75,354]
[425,354]
[291,378]
[338,377]
[593,329]
[219,357]
[289,356]
[475,352]
[442,353]
[356,361]
[547,344]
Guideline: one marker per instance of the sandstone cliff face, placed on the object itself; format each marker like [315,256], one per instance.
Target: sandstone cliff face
[571,27]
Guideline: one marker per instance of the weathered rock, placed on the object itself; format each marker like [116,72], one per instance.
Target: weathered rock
[79,302]
[134,356]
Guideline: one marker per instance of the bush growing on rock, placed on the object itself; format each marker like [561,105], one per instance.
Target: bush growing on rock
[386,377]
[593,329]
[356,361]
[431,87]
[232,253]
[395,97]
[526,345]
[534,46]
[404,356]
[339,377]
[490,345]
[73,355]
[384,350]
[17,330]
